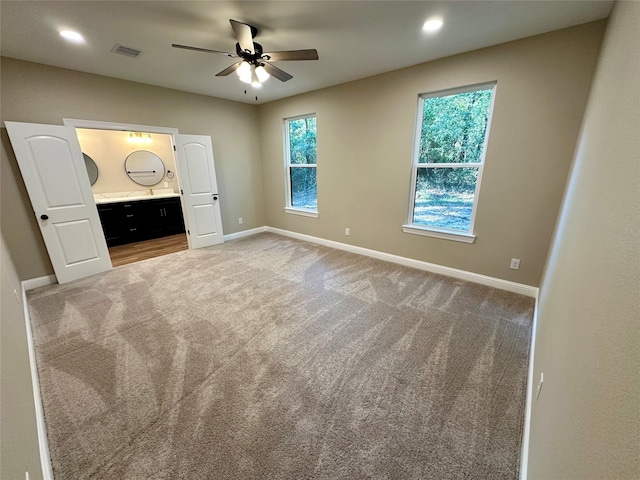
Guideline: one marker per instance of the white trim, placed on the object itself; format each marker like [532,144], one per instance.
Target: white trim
[449,165]
[300,211]
[287,162]
[417,131]
[300,117]
[416,148]
[43,445]
[445,234]
[526,431]
[126,127]
[244,233]
[514,287]
[39,282]
[457,90]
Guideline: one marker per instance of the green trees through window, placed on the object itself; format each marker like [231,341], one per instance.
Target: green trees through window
[301,163]
[450,155]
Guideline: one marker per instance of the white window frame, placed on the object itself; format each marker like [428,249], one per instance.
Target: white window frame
[445,233]
[305,212]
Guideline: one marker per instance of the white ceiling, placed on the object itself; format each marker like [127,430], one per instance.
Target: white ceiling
[354,39]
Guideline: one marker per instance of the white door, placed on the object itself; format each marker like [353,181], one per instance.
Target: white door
[53,170]
[200,199]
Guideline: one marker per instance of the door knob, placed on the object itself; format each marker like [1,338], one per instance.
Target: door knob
[44,217]
[215,197]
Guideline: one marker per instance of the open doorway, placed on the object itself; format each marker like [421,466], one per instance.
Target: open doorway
[57,181]
[134,183]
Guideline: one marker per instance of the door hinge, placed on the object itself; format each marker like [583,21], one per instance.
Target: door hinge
[174,148]
[188,232]
[181,192]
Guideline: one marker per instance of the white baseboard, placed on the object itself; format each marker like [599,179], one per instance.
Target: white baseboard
[39,282]
[524,455]
[514,287]
[244,233]
[43,444]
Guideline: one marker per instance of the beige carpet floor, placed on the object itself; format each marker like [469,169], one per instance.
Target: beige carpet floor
[273,358]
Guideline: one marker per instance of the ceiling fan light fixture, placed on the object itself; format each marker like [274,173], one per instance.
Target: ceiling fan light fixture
[244,72]
[243,69]
[254,66]
[262,74]
[254,75]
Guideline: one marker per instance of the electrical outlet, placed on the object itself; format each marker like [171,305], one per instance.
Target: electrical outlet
[540,385]
[346,232]
[240,220]
[515,264]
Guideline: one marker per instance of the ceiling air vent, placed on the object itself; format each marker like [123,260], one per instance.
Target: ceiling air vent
[127,51]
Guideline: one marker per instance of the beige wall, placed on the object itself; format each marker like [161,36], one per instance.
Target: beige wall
[365,138]
[586,423]
[41,94]
[109,150]
[18,435]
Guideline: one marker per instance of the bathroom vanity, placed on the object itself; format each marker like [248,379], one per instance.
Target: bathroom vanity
[136,218]
[138,215]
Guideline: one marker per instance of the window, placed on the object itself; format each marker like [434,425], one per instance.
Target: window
[451,137]
[300,159]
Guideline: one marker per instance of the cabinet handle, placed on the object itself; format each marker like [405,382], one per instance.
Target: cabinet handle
[133,229]
[130,215]
[165,211]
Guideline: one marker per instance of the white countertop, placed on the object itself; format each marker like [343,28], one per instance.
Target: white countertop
[132,196]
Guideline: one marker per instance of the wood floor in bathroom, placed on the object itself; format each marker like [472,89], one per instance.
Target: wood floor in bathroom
[134,252]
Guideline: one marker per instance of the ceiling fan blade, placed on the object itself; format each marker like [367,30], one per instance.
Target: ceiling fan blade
[206,50]
[289,55]
[229,70]
[243,35]
[276,72]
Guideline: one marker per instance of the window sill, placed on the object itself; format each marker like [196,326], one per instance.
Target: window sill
[301,211]
[438,233]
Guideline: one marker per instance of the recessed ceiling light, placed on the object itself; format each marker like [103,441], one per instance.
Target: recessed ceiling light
[74,37]
[432,25]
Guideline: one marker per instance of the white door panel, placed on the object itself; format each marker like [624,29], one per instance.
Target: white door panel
[67,234]
[205,219]
[59,189]
[199,188]
[198,169]
[53,170]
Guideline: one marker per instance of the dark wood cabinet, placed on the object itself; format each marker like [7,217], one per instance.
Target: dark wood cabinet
[127,222]
[112,225]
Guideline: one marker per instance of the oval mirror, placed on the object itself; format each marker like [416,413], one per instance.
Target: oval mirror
[144,167]
[92,168]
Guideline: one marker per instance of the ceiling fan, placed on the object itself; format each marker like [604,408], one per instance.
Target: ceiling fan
[254,66]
